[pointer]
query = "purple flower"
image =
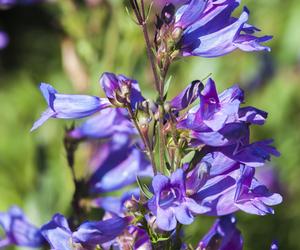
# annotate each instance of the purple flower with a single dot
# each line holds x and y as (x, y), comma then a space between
(121, 90)
(4, 39)
(223, 235)
(114, 172)
(68, 106)
(170, 202)
(104, 125)
(219, 120)
(60, 237)
(18, 230)
(211, 31)
(11, 3)
(94, 233)
(222, 160)
(238, 190)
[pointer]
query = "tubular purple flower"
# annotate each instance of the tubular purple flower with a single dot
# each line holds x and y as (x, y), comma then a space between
(93, 233)
(252, 197)
(238, 190)
(219, 121)
(58, 234)
(18, 230)
(116, 172)
(212, 32)
(223, 235)
(64, 106)
(170, 202)
(121, 90)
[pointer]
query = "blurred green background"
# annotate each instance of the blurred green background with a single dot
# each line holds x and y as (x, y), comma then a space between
(70, 43)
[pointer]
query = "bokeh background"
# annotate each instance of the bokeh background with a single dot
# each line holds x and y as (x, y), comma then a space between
(70, 43)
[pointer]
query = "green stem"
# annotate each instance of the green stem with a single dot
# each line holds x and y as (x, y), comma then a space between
(144, 139)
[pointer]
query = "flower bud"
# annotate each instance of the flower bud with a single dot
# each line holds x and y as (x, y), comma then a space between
(120, 90)
(132, 205)
(176, 34)
(167, 13)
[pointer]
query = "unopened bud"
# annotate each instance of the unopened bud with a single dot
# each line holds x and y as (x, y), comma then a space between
(177, 34)
(167, 107)
(175, 54)
(131, 205)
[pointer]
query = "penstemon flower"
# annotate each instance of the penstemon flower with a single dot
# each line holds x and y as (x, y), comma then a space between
(90, 234)
(190, 155)
(171, 203)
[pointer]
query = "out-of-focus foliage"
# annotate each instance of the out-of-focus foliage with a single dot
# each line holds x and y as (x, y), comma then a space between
(70, 43)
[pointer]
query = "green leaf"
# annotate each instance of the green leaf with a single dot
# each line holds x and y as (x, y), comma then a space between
(167, 85)
(188, 157)
(144, 188)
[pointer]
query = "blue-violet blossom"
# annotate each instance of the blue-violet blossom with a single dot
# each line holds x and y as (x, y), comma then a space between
(209, 30)
(170, 202)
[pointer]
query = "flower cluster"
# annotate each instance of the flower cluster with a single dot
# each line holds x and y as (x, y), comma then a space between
(190, 155)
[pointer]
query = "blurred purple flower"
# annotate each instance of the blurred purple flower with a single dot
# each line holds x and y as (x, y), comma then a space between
(4, 39)
(274, 245)
(209, 30)
(104, 125)
(170, 202)
(121, 90)
(223, 235)
(11, 3)
(60, 237)
(238, 190)
(68, 106)
(18, 230)
(116, 205)
(114, 172)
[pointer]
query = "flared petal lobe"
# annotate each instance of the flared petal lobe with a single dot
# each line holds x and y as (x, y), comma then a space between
(58, 233)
